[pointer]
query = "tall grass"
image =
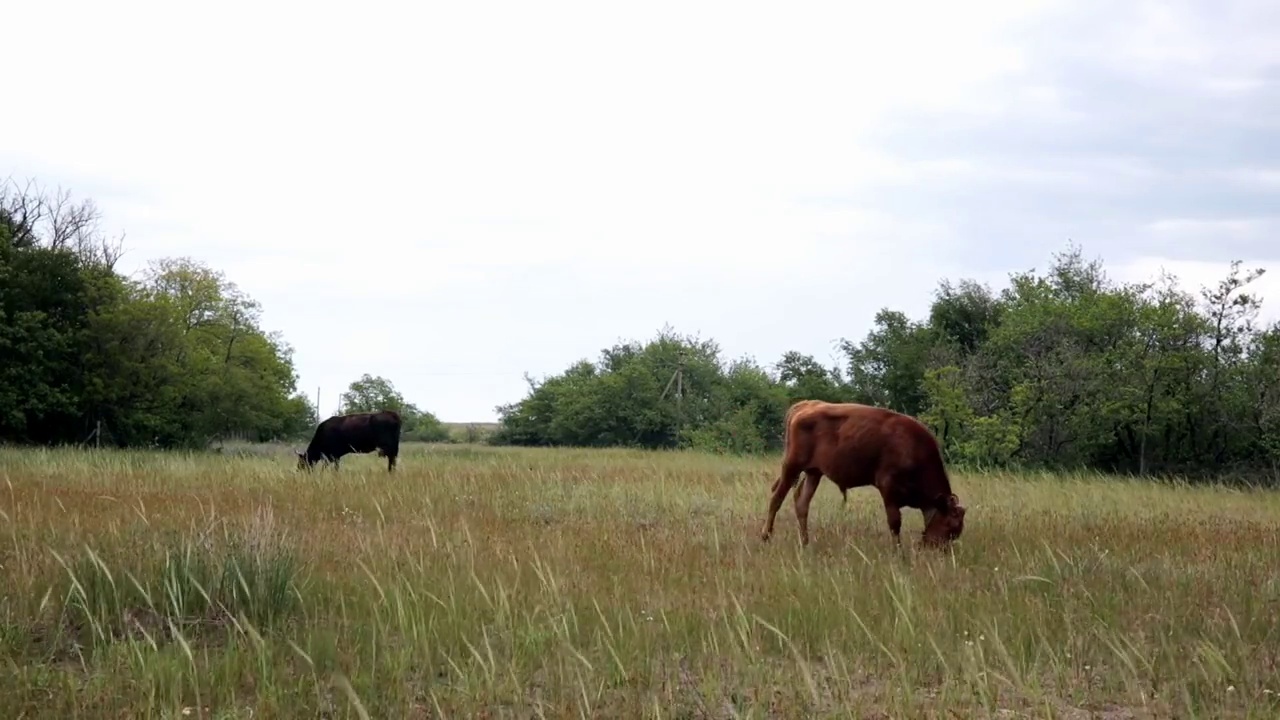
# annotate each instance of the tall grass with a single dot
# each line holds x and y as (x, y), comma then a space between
(542, 583)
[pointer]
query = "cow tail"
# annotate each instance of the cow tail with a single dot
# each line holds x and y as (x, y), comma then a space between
(786, 438)
(786, 425)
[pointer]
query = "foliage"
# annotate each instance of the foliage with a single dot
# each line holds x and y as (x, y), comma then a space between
(673, 391)
(176, 358)
(1063, 369)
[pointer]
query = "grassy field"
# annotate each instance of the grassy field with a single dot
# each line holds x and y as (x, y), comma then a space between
(484, 582)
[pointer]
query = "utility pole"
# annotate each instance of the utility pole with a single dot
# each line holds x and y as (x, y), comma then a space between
(680, 392)
(678, 379)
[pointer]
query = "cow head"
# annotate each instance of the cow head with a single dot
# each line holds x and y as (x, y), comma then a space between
(302, 460)
(945, 521)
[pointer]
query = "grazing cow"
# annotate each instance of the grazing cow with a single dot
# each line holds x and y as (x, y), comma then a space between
(355, 433)
(857, 445)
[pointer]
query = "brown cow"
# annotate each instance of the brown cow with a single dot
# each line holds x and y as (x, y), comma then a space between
(857, 445)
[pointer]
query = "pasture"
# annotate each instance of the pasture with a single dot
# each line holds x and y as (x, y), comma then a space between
(487, 582)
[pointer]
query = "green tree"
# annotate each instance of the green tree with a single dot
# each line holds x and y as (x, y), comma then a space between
(672, 391)
(887, 367)
(231, 376)
(175, 359)
(806, 379)
(963, 315)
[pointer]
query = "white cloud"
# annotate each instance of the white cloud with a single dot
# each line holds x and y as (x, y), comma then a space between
(1183, 229)
(431, 188)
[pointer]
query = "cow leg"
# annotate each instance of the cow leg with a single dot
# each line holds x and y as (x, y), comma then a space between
(392, 451)
(803, 496)
(886, 483)
(893, 514)
(844, 493)
(813, 476)
(781, 487)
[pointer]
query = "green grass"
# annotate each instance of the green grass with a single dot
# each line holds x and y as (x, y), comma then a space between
(490, 582)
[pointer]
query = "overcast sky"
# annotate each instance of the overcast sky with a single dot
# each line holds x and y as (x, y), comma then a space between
(451, 194)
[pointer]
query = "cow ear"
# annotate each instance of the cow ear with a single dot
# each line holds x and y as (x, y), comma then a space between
(953, 502)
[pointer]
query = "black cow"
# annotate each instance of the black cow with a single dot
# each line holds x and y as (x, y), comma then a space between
(355, 433)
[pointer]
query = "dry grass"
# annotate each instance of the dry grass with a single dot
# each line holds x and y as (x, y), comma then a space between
(518, 583)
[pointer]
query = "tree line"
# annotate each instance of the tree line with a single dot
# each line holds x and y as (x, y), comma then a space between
(1062, 369)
